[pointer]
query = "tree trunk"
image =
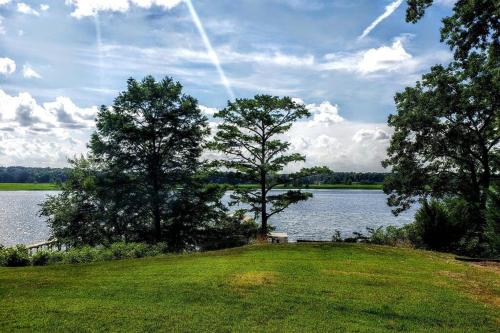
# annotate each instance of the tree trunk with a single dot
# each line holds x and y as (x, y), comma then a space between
(263, 208)
(156, 202)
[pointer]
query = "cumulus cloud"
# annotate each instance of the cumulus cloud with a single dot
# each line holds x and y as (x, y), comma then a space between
(325, 113)
(388, 59)
(84, 8)
(4, 2)
(44, 7)
(342, 145)
(367, 135)
(26, 9)
(23, 110)
(42, 134)
(30, 73)
(69, 115)
(7, 66)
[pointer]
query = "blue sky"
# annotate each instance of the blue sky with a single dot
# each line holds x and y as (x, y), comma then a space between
(344, 59)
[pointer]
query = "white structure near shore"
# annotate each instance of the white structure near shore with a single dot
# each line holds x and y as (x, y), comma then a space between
(278, 237)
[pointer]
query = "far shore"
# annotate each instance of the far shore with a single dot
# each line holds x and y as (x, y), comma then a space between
(56, 187)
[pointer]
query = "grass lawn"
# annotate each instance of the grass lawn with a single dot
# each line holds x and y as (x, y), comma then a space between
(259, 288)
(28, 187)
(325, 187)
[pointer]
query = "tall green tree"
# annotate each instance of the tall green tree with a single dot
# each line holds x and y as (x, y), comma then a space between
(473, 27)
(249, 138)
(152, 136)
(447, 127)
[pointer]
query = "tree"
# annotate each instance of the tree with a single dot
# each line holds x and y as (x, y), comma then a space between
(473, 27)
(446, 139)
(249, 138)
(152, 137)
(75, 216)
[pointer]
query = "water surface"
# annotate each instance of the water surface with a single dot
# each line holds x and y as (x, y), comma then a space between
(316, 219)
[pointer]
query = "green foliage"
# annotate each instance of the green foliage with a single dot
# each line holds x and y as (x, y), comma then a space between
(81, 255)
(493, 222)
(150, 141)
(19, 256)
(439, 225)
(249, 139)
(446, 136)
(144, 180)
(14, 256)
(406, 236)
(40, 258)
(447, 133)
(474, 25)
(76, 216)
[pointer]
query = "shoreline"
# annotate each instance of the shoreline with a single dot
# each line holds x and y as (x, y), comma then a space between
(55, 187)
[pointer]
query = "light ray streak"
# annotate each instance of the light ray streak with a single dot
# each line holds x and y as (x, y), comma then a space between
(99, 47)
(211, 52)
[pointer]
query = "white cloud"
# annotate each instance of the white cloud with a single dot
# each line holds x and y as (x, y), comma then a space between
(7, 66)
(44, 7)
(69, 115)
(366, 135)
(4, 2)
(23, 110)
(342, 145)
(30, 73)
(325, 113)
(208, 111)
(389, 9)
(84, 8)
(388, 59)
(35, 134)
(26, 9)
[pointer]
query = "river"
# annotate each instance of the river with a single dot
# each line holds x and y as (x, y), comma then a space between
(316, 219)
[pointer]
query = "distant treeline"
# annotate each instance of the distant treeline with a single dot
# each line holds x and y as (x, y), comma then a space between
(18, 174)
(327, 178)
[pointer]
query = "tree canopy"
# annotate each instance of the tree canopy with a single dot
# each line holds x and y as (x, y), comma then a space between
(154, 134)
(473, 26)
(249, 139)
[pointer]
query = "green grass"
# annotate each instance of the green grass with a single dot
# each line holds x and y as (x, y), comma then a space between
(28, 187)
(325, 186)
(260, 288)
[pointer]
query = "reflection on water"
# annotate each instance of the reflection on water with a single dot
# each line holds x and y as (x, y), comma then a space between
(19, 220)
(344, 210)
(317, 218)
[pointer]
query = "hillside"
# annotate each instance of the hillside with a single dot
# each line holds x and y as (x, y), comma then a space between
(265, 288)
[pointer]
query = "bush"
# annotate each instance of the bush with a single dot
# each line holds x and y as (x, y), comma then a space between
(40, 258)
(14, 256)
(393, 236)
(81, 255)
(441, 224)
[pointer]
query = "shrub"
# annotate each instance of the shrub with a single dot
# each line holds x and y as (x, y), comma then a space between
(81, 255)
(55, 257)
(14, 256)
(40, 258)
(441, 224)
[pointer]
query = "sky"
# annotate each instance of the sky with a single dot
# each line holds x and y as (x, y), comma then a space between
(344, 59)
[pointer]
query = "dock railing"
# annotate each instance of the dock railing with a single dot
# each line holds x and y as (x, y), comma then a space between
(47, 245)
